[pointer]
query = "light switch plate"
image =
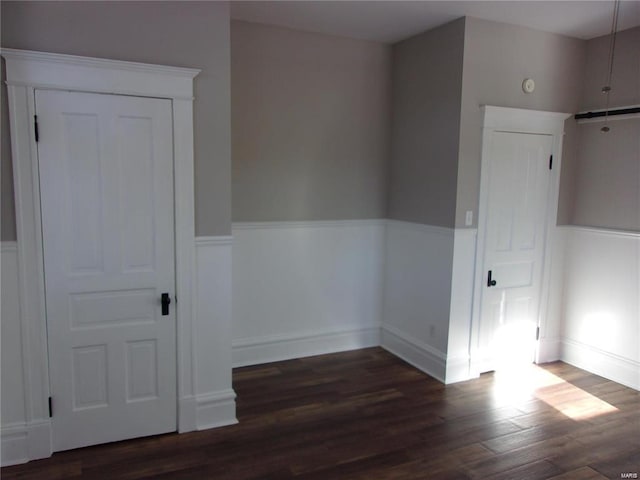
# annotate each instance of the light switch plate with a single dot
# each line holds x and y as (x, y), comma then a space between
(468, 219)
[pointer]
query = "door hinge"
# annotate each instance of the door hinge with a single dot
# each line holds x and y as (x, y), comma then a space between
(550, 162)
(35, 127)
(50, 408)
(537, 333)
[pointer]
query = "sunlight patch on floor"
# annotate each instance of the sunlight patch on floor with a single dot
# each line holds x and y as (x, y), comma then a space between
(519, 383)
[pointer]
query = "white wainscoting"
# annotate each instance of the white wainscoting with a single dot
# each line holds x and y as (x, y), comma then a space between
(461, 309)
(215, 399)
(601, 331)
(552, 313)
(417, 294)
(305, 288)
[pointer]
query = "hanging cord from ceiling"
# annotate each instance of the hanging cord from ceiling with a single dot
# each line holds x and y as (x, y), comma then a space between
(612, 47)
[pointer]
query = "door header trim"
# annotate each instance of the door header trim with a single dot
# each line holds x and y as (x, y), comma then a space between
(72, 72)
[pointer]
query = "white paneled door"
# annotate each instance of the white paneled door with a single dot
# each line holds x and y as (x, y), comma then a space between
(518, 192)
(106, 186)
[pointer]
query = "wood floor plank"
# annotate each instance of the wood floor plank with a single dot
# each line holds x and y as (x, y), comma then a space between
(365, 414)
(582, 473)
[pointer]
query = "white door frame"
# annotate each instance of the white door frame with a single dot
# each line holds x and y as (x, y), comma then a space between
(516, 120)
(27, 71)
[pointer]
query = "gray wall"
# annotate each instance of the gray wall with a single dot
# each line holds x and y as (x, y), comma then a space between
(497, 58)
(188, 34)
(607, 169)
(427, 86)
(626, 71)
(310, 125)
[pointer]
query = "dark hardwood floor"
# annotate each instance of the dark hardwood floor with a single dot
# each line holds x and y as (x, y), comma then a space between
(367, 415)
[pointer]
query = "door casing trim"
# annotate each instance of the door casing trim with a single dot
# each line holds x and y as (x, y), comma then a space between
(516, 120)
(27, 71)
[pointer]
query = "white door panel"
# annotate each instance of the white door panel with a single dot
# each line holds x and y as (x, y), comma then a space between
(518, 190)
(106, 181)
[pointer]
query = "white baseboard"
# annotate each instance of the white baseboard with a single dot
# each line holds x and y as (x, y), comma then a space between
(187, 418)
(14, 445)
(419, 354)
(458, 369)
(216, 409)
(549, 350)
(24, 442)
(599, 362)
(273, 348)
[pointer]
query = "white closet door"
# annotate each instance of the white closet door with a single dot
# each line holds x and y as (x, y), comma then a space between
(106, 184)
(514, 247)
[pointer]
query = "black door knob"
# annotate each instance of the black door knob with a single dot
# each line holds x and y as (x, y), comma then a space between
(490, 282)
(165, 300)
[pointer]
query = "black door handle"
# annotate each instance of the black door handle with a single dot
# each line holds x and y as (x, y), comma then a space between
(490, 283)
(165, 300)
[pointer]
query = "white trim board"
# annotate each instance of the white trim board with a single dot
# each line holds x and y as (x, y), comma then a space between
(613, 367)
(422, 356)
(217, 409)
(307, 224)
(274, 348)
(22, 442)
(601, 231)
(27, 71)
(60, 72)
(214, 399)
(214, 241)
(422, 228)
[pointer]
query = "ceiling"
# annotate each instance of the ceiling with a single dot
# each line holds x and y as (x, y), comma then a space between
(391, 21)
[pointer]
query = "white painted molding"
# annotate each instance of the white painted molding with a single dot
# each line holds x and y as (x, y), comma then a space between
(216, 409)
(214, 241)
(599, 362)
(457, 369)
(27, 71)
(522, 120)
(307, 224)
(214, 399)
(601, 231)
(420, 227)
(187, 413)
(25, 441)
(9, 247)
(549, 350)
(59, 71)
(422, 356)
(461, 305)
(14, 441)
(273, 348)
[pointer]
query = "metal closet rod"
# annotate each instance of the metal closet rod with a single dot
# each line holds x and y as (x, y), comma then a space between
(618, 111)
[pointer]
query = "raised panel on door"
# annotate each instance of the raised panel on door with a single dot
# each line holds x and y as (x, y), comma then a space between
(514, 232)
(106, 182)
